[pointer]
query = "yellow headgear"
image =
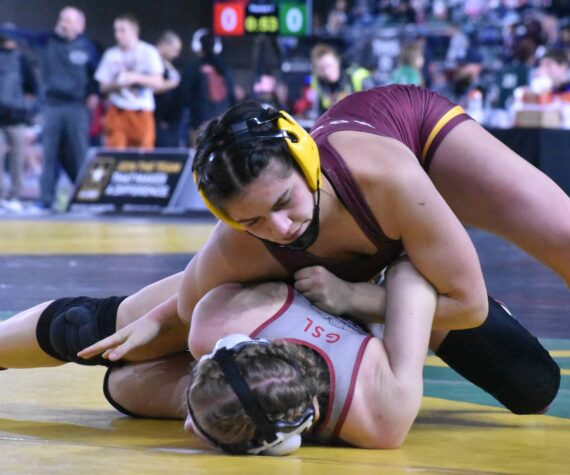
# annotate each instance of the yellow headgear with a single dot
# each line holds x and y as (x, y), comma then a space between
(301, 145)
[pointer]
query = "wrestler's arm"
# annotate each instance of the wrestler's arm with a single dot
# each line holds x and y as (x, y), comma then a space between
(391, 372)
(233, 308)
(409, 208)
(228, 256)
(362, 300)
(147, 323)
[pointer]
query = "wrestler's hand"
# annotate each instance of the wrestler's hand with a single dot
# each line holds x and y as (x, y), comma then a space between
(119, 344)
(324, 289)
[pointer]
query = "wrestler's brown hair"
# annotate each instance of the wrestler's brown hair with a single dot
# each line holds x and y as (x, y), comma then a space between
(284, 377)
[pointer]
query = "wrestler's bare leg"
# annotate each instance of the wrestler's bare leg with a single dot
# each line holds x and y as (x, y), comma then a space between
(174, 339)
(152, 388)
(490, 187)
(19, 347)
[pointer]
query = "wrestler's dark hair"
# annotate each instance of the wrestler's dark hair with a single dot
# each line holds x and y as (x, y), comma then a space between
(283, 377)
(225, 167)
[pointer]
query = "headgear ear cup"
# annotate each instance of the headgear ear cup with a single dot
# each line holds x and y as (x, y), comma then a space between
(217, 212)
(288, 445)
(304, 150)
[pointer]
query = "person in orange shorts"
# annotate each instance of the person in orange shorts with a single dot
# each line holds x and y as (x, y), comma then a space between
(129, 73)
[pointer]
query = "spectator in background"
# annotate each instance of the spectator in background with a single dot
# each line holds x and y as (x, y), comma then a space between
(552, 72)
(330, 82)
(401, 12)
(564, 35)
(129, 73)
(464, 78)
(516, 73)
(207, 83)
(266, 90)
(411, 62)
(18, 87)
(337, 18)
(459, 44)
(168, 112)
(68, 61)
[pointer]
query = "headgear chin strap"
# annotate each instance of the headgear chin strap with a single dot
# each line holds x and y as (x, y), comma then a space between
(301, 145)
(310, 235)
(271, 437)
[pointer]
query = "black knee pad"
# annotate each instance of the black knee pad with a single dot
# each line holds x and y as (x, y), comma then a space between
(504, 359)
(69, 325)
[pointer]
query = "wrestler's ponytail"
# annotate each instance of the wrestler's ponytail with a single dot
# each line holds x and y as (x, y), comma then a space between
(284, 378)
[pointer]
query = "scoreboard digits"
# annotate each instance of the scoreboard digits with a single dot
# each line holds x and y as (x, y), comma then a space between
(236, 18)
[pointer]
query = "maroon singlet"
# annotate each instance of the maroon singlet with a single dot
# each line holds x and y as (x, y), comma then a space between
(408, 114)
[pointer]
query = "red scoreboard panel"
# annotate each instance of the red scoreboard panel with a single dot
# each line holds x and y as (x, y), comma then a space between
(229, 18)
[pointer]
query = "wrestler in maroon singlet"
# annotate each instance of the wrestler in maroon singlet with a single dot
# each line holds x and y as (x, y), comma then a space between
(408, 114)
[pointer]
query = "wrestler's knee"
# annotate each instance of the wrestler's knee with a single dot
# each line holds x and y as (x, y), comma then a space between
(505, 360)
(69, 325)
(117, 390)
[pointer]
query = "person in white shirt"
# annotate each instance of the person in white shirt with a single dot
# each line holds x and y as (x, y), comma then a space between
(129, 73)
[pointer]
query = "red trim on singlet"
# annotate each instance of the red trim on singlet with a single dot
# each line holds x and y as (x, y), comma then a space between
(332, 379)
(348, 402)
(281, 311)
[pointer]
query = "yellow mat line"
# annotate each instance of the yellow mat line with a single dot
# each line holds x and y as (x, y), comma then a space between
(560, 353)
(434, 361)
(64, 237)
(52, 429)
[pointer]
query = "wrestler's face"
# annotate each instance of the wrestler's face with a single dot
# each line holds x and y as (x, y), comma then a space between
(190, 428)
(277, 206)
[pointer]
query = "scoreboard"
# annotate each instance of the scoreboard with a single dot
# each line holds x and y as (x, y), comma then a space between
(286, 18)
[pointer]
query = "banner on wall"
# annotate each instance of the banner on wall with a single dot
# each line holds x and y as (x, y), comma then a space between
(133, 180)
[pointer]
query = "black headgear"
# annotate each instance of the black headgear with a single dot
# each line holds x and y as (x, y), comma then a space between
(271, 437)
(303, 149)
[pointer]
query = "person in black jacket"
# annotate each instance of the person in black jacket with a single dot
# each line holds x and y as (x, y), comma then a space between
(168, 111)
(207, 84)
(68, 60)
(18, 88)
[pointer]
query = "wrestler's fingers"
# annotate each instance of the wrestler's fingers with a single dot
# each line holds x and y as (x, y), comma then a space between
(115, 354)
(302, 285)
(101, 346)
(309, 272)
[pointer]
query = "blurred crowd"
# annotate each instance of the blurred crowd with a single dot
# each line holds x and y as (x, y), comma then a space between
(488, 56)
